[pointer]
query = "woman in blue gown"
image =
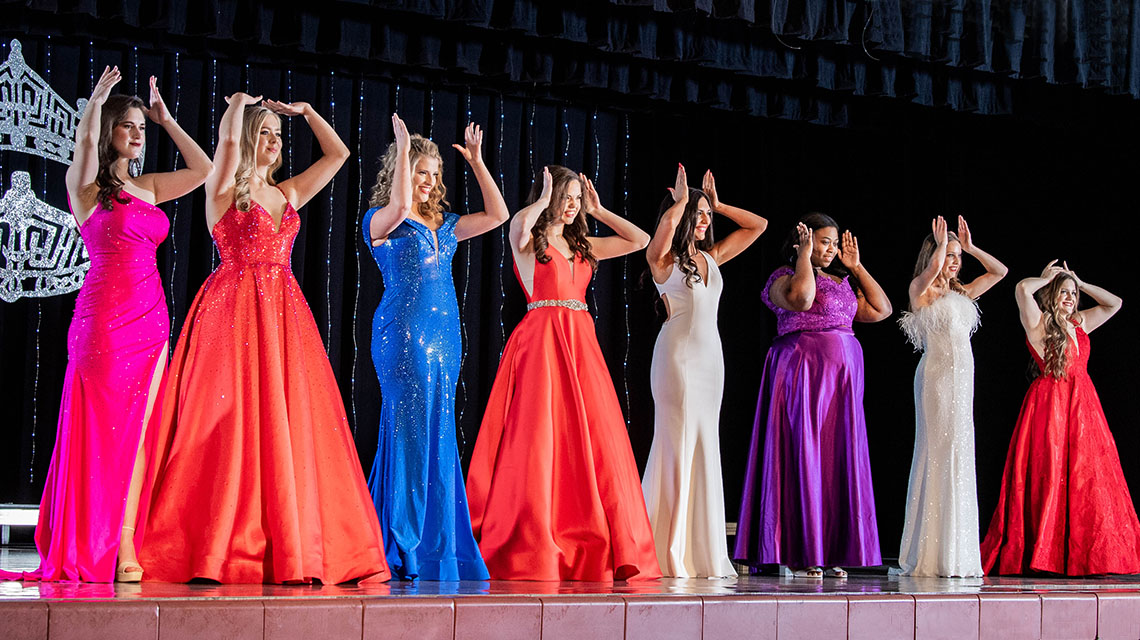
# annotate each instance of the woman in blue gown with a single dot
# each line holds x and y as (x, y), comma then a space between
(416, 479)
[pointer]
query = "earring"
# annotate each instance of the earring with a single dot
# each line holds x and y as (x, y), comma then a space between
(134, 166)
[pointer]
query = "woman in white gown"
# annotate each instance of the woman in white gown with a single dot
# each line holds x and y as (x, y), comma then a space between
(682, 484)
(940, 533)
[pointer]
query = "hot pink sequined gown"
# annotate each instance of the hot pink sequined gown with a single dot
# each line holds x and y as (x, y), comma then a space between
(118, 334)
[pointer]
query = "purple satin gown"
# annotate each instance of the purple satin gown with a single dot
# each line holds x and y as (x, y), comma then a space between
(118, 335)
(808, 499)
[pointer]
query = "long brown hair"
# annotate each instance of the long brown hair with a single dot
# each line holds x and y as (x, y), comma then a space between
(926, 253)
(253, 119)
(420, 146)
(576, 233)
(682, 246)
(114, 111)
(1056, 340)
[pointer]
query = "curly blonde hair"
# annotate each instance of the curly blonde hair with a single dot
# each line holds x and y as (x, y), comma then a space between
(254, 118)
(420, 147)
(1056, 342)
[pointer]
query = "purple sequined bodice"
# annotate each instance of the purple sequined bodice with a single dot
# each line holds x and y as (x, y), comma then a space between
(835, 305)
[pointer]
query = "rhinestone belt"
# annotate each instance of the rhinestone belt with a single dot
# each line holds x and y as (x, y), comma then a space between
(574, 305)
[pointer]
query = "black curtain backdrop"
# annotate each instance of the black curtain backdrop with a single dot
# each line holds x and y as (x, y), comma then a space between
(1021, 115)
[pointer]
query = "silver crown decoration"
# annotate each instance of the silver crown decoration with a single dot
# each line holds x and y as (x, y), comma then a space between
(41, 253)
(34, 119)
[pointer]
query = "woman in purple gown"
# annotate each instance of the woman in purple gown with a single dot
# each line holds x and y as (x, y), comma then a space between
(814, 506)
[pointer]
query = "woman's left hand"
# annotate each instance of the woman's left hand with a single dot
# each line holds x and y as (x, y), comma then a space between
(287, 108)
(157, 112)
(472, 148)
(849, 251)
(708, 185)
(965, 238)
(590, 200)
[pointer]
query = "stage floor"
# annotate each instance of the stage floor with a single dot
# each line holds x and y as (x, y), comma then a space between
(869, 604)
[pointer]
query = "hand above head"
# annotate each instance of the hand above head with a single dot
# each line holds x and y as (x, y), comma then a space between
(400, 131)
(680, 188)
(804, 240)
(590, 200)
(849, 251)
(287, 108)
(547, 188)
(964, 236)
(243, 99)
(472, 148)
(1051, 270)
(1072, 274)
(708, 185)
(157, 111)
(940, 230)
(102, 90)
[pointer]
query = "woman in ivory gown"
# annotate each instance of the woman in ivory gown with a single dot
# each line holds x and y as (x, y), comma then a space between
(682, 483)
(940, 533)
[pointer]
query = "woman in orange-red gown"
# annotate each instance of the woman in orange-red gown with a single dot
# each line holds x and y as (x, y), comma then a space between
(257, 477)
(1064, 505)
(553, 486)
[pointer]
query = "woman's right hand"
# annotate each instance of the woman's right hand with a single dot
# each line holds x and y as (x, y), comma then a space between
(102, 90)
(547, 188)
(1051, 271)
(941, 231)
(400, 130)
(803, 244)
(680, 188)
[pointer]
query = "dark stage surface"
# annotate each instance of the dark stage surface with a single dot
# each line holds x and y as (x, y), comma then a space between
(868, 604)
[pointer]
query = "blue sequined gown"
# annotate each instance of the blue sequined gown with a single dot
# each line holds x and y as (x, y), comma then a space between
(416, 479)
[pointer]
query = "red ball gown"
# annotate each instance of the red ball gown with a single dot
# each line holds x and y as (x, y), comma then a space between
(256, 477)
(553, 486)
(1064, 505)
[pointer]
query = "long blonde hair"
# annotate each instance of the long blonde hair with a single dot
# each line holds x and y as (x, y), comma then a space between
(420, 147)
(254, 118)
(1056, 341)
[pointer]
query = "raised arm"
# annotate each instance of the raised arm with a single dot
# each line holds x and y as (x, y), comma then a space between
(659, 252)
(495, 210)
(923, 281)
(302, 187)
(629, 236)
(796, 292)
(169, 185)
(526, 217)
(995, 270)
(227, 155)
(1107, 304)
(751, 225)
(400, 195)
(874, 305)
(85, 161)
(1030, 313)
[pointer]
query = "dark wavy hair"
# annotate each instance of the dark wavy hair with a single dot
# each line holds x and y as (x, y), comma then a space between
(1056, 342)
(683, 235)
(576, 233)
(114, 112)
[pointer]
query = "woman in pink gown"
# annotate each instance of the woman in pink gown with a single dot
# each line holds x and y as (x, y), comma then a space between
(116, 345)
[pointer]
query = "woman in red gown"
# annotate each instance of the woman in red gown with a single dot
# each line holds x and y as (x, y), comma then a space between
(1064, 505)
(256, 476)
(553, 487)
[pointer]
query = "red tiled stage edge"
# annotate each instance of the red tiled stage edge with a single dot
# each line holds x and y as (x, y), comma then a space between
(1004, 616)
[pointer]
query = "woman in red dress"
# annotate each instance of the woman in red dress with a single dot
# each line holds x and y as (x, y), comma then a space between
(256, 476)
(1064, 505)
(553, 487)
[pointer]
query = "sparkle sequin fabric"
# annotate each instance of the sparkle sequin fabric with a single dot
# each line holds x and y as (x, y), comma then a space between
(940, 533)
(416, 480)
(1064, 505)
(257, 479)
(117, 338)
(807, 498)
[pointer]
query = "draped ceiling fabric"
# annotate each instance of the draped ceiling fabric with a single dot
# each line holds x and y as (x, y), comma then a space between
(967, 55)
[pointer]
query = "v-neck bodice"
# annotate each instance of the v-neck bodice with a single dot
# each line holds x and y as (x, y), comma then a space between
(557, 280)
(253, 236)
